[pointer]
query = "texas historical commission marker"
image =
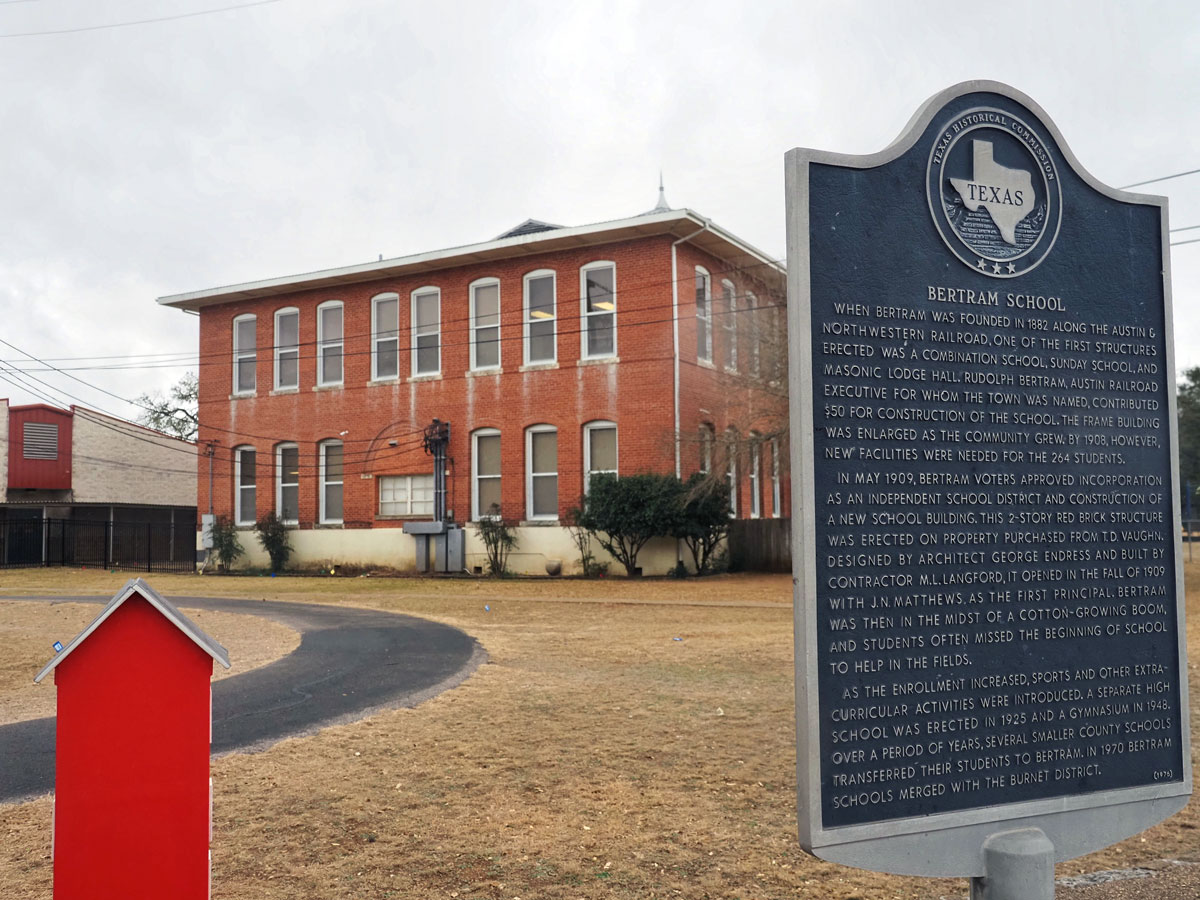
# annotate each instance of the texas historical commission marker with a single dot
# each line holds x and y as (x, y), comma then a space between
(989, 592)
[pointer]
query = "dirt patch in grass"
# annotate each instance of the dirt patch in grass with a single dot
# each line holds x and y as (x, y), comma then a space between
(29, 629)
(627, 739)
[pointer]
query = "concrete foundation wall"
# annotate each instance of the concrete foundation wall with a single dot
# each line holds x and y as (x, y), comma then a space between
(393, 549)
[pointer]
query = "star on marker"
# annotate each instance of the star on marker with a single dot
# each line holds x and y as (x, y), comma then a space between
(981, 265)
(996, 268)
(1012, 269)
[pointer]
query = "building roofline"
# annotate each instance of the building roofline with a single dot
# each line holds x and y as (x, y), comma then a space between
(164, 606)
(677, 223)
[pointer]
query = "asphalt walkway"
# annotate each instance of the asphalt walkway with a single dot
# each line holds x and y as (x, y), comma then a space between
(350, 664)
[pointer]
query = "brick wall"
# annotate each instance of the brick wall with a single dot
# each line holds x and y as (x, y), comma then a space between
(115, 461)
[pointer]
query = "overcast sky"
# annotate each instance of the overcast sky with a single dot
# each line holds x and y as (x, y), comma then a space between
(294, 135)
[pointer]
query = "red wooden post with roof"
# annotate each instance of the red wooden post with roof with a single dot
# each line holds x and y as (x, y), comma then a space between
(133, 796)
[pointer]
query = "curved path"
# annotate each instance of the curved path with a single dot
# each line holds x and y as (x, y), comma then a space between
(350, 663)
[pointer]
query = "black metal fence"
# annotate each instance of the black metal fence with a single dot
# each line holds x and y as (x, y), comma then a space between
(141, 546)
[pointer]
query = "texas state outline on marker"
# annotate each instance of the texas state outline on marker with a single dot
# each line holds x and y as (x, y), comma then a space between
(1007, 194)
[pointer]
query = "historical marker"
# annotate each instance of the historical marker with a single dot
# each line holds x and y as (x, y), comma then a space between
(989, 591)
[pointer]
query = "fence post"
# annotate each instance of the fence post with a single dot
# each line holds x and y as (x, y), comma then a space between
(149, 555)
(107, 542)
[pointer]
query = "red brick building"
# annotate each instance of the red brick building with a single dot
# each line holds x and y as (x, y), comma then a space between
(646, 344)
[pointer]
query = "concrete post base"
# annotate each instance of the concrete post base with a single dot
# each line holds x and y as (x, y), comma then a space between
(1017, 865)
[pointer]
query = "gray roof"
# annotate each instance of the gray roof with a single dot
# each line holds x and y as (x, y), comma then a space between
(529, 226)
(164, 606)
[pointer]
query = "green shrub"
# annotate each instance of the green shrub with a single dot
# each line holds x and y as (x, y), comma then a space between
(225, 543)
(273, 535)
(498, 540)
(704, 522)
(625, 513)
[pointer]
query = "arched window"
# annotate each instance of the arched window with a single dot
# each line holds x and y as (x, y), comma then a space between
(245, 467)
(245, 354)
(540, 307)
(599, 450)
(287, 349)
(329, 343)
(485, 473)
(485, 324)
(287, 483)
(703, 315)
(426, 331)
(385, 337)
(598, 331)
(331, 482)
(541, 472)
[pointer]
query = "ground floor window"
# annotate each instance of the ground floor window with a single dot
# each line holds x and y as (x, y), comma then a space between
(406, 495)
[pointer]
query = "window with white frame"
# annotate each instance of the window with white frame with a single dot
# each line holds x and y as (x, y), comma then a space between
(287, 349)
(703, 316)
(287, 483)
(245, 354)
(729, 325)
(329, 343)
(245, 468)
(406, 495)
(756, 335)
(755, 476)
(540, 321)
(426, 331)
(331, 482)
(485, 473)
(599, 450)
(707, 439)
(485, 325)
(598, 286)
(776, 497)
(731, 471)
(541, 472)
(385, 337)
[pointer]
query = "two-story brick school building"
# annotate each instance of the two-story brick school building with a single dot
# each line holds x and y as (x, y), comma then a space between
(646, 344)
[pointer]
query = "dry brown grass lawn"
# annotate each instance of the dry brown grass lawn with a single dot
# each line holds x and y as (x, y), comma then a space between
(625, 740)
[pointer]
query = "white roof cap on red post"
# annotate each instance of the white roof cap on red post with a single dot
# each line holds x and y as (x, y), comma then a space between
(164, 606)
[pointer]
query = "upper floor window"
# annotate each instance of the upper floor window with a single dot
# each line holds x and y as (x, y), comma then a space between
(426, 331)
(287, 349)
(756, 335)
(540, 312)
(331, 482)
(385, 336)
(599, 450)
(244, 480)
(703, 316)
(485, 473)
(541, 472)
(485, 324)
(287, 483)
(329, 343)
(729, 325)
(245, 354)
(599, 291)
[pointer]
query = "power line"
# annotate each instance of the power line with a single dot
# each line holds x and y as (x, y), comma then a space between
(1155, 180)
(191, 15)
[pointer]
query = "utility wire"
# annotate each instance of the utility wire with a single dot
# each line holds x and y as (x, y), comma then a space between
(1155, 180)
(191, 15)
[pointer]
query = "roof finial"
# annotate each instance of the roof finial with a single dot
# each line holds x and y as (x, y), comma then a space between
(662, 206)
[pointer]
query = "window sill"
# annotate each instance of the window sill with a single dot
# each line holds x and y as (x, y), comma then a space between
(480, 373)
(538, 367)
(329, 525)
(329, 387)
(706, 364)
(383, 382)
(537, 523)
(402, 518)
(599, 360)
(432, 376)
(244, 395)
(281, 392)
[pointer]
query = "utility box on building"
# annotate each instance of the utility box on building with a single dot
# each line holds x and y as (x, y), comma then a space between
(133, 796)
